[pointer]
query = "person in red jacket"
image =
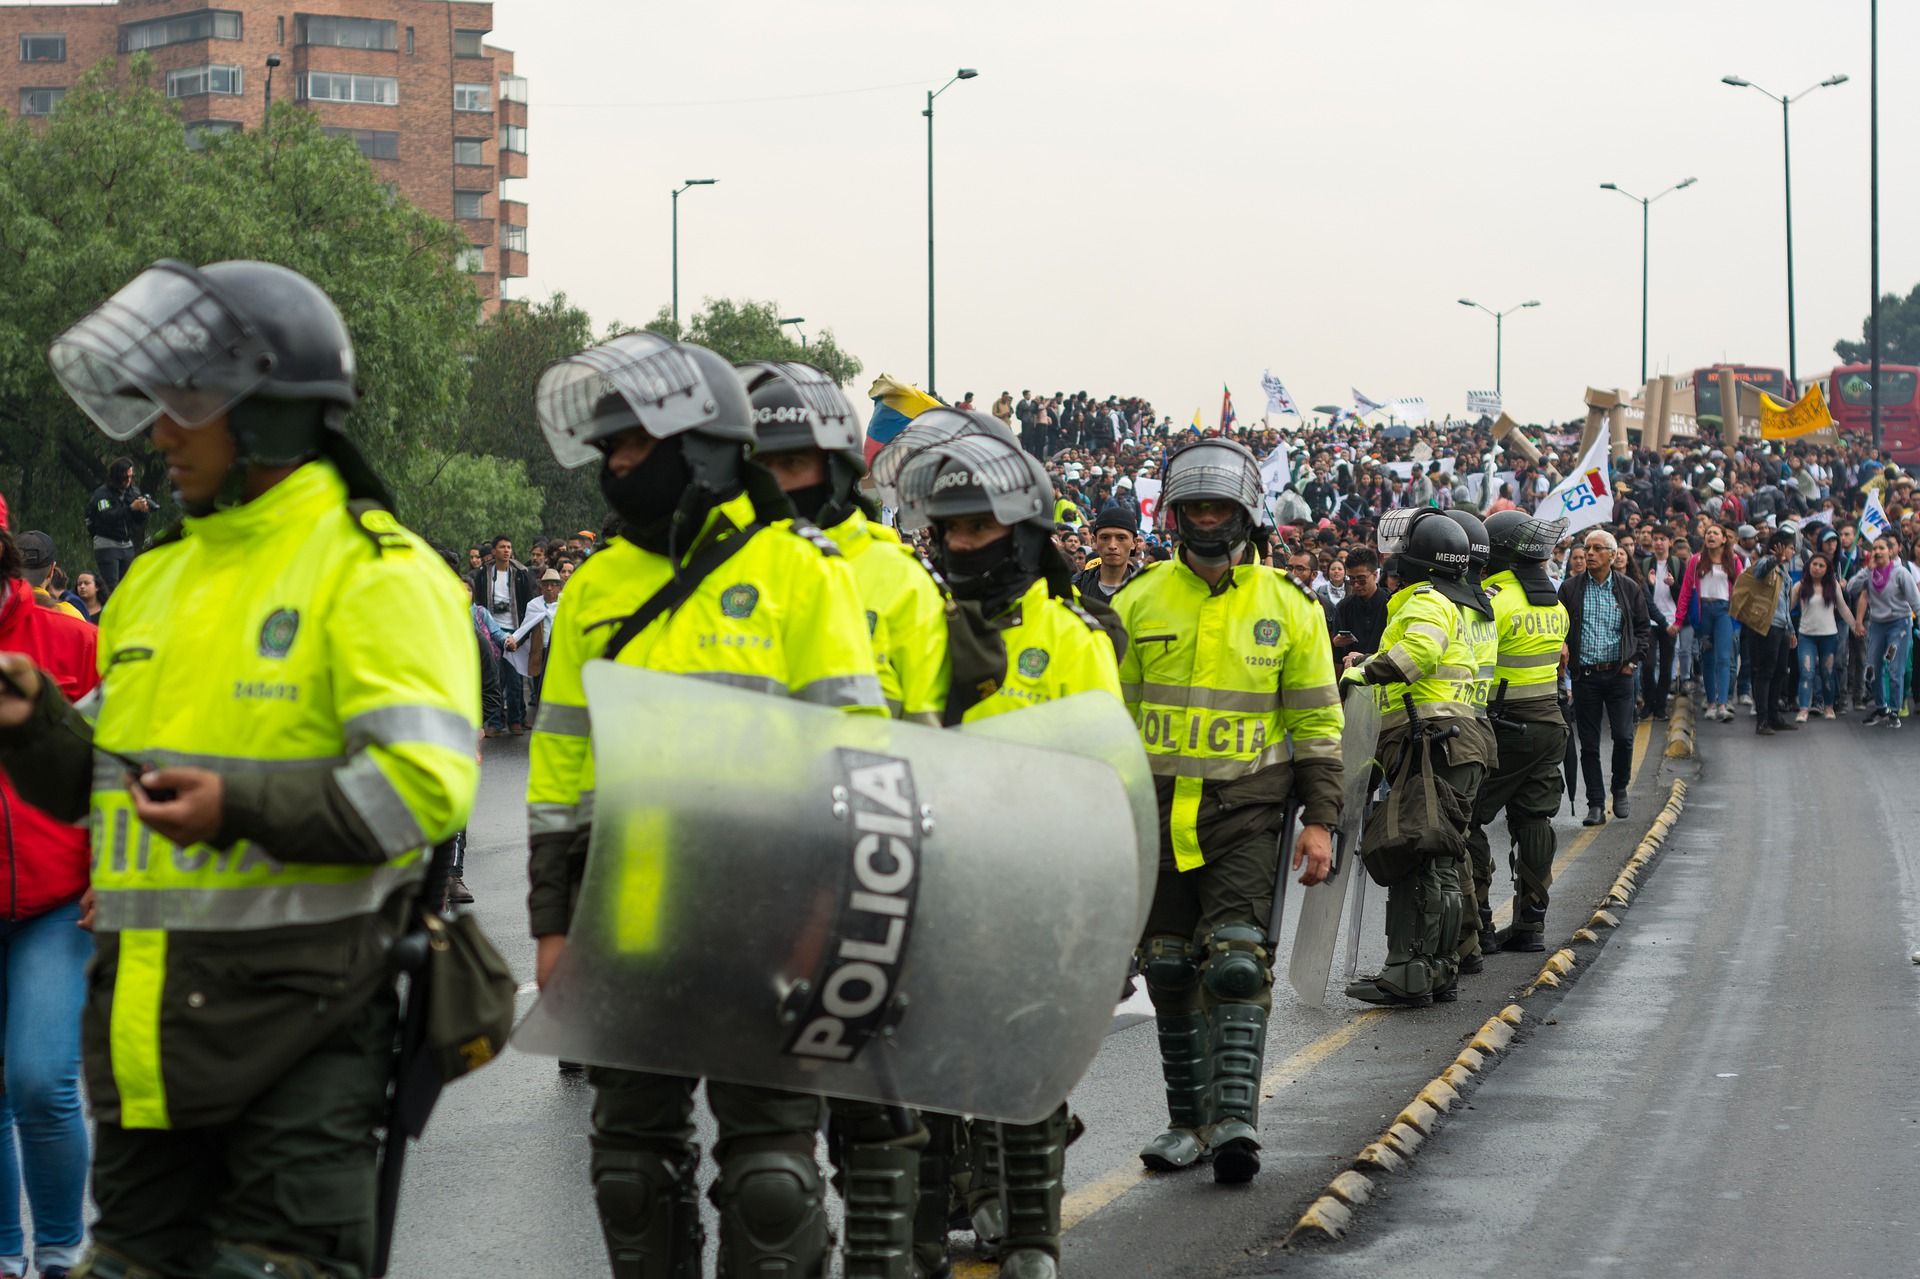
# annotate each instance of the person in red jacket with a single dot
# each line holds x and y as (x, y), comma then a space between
(43, 960)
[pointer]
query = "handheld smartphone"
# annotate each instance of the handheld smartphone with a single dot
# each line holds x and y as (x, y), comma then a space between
(1345, 637)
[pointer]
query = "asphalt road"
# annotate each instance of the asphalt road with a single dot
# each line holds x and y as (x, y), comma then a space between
(500, 1184)
(1731, 1091)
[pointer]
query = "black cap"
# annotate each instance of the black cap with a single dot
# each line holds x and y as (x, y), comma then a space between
(1116, 516)
(36, 549)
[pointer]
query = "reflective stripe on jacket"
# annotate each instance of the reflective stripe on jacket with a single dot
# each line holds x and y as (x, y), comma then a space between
(1225, 683)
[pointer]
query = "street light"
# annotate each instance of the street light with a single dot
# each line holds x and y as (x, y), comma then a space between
(1498, 318)
(273, 60)
(1786, 137)
(964, 73)
(1644, 206)
(796, 321)
(690, 182)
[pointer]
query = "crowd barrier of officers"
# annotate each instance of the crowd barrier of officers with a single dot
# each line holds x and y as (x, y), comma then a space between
(791, 808)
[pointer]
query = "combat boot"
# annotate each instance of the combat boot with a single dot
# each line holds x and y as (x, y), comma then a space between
(1033, 1161)
(1528, 932)
(1234, 976)
(104, 1263)
(1489, 935)
(1173, 980)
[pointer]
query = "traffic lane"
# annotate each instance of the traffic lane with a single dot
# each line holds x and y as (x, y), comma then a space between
(502, 1175)
(1729, 1093)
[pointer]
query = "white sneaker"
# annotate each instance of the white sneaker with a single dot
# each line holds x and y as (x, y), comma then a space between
(1801, 716)
(1746, 699)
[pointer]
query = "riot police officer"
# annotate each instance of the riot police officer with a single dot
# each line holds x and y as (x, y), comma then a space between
(708, 579)
(1229, 674)
(1015, 638)
(263, 772)
(1425, 659)
(807, 437)
(1476, 618)
(1531, 732)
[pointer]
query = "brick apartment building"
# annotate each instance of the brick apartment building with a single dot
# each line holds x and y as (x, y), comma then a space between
(437, 111)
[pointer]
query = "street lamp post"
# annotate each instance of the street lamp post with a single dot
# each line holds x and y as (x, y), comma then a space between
(1499, 319)
(796, 321)
(964, 73)
(1786, 138)
(1873, 199)
(1645, 204)
(273, 60)
(690, 182)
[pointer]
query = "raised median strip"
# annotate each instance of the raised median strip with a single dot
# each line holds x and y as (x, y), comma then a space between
(1331, 1214)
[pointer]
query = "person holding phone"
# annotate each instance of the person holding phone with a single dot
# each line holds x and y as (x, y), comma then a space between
(117, 514)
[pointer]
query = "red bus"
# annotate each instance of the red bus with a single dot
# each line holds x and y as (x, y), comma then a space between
(1706, 386)
(1849, 392)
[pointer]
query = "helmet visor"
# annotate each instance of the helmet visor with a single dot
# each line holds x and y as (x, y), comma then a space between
(973, 475)
(1536, 539)
(934, 426)
(1395, 528)
(658, 381)
(165, 343)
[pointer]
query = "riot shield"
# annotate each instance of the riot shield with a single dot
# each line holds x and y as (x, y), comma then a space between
(785, 895)
(1319, 912)
(1090, 724)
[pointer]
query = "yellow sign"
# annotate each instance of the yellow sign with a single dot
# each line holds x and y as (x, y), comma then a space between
(1785, 421)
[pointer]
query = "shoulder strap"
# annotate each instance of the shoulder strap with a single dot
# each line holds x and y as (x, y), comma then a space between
(696, 570)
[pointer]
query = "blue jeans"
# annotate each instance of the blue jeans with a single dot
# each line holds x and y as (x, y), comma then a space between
(1887, 674)
(1716, 630)
(1817, 671)
(43, 964)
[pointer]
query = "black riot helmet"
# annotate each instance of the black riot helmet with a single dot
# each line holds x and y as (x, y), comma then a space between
(1514, 537)
(1214, 471)
(934, 426)
(1422, 543)
(1478, 548)
(668, 389)
(796, 407)
(255, 341)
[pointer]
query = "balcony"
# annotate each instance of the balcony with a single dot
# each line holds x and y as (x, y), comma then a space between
(513, 88)
(511, 112)
(513, 266)
(473, 177)
(513, 164)
(480, 232)
(513, 213)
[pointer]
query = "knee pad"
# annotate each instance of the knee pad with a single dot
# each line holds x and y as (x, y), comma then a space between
(105, 1263)
(649, 1212)
(772, 1220)
(1235, 968)
(1169, 965)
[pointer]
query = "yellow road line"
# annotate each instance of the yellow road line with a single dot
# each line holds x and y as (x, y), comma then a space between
(1584, 840)
(1095, 1195)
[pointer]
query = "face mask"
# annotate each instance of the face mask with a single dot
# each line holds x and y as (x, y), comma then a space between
(646, 496)
(809, 501)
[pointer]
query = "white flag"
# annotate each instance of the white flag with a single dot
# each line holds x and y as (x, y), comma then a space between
(1585, 497)
(1276, 472)
(1364, 404)
(1874, 523)
(1278, 401)
(1483, 404)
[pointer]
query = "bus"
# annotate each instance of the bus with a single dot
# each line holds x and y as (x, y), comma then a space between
(1706, 386)
(1849, 393)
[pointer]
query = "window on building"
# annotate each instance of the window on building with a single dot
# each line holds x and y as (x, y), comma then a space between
(332, 86)
(409, 42)
(43, 48)
(280, 30)
(375, 144)
(472, 259)
(513, 137)
(466, 44)
(347, 33)
(471, 97)
(205, 24)
(40, 101)
(469, 151)
(513, 88)
(467, 204)
(514, 238)
(198, 131)
(191, 82)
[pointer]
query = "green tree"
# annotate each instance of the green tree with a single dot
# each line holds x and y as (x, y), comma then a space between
(748, 330)
(1899, 333)
(459, 500)
(109, 185)
(510, 352)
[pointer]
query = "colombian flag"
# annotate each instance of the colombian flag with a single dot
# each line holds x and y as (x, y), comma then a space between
(1226, 410)
(1195, 426)
(894, 405)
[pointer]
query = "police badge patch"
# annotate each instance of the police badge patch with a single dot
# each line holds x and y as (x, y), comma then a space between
(738, 601)
(1033, 662)
(277, 632)
(1266, 632)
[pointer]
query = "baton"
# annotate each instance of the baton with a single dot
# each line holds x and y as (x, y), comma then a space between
(1288, 825)
(416, 1080)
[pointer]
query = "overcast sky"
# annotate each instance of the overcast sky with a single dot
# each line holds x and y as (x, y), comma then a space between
(1142, 199)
